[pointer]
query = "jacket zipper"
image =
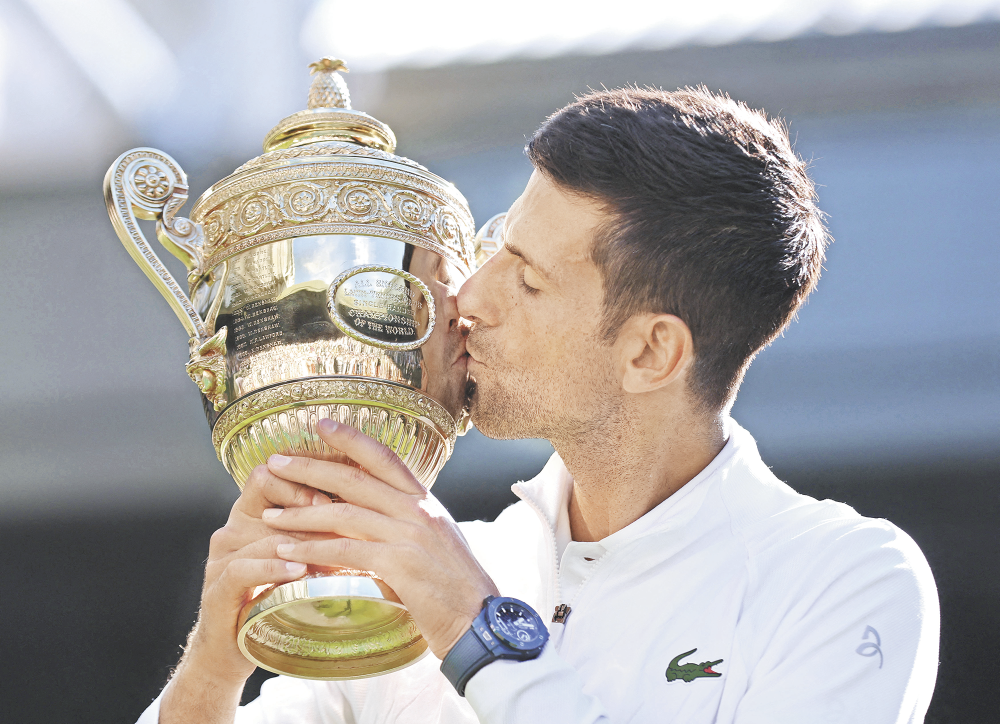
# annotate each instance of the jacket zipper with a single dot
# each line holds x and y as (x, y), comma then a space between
(552, 547)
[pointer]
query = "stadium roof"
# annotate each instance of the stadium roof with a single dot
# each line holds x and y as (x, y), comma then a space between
(450, 31)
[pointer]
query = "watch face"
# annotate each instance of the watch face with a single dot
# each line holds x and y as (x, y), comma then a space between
(517, 625)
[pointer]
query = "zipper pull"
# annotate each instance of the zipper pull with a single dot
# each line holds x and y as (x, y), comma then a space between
(561, 613)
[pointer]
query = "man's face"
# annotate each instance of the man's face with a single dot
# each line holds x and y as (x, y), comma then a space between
(535, 352)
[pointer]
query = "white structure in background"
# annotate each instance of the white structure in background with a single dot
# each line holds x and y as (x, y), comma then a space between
(128, 62)
(82, 80)
(450, 31)
(209, 77)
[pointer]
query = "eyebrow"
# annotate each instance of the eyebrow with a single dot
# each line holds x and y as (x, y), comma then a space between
(524, 257)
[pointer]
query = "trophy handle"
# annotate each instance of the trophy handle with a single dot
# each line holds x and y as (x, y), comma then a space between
(148, 184)
(489, 238)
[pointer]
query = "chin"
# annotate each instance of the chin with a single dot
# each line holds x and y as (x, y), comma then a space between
(497, 421)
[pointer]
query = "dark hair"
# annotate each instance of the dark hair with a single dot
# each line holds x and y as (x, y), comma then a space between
(713, 218)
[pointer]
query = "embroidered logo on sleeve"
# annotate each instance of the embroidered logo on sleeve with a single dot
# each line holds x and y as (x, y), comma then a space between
(870, 648)
(690, 672)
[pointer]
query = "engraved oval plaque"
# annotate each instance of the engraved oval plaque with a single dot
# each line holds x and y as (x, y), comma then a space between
(382, 306)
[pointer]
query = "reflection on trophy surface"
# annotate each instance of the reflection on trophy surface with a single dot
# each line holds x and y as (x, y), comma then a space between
(322, 283)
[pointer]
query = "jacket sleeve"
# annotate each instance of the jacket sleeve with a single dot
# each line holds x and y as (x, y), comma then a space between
(860, 641)
(545, 690)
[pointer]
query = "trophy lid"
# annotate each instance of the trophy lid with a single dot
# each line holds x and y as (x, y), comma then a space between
(329, 116)
(331, 169)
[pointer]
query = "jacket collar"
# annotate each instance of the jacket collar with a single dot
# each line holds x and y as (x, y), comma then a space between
(549, 491)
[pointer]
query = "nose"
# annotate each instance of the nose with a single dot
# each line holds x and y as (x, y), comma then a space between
(474, 298)
(449, 310)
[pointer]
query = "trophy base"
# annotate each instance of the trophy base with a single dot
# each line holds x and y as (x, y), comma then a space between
(346, 624)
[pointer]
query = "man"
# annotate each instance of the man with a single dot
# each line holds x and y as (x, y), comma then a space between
(662, 241)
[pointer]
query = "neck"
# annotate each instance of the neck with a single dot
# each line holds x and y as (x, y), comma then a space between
(632, 465)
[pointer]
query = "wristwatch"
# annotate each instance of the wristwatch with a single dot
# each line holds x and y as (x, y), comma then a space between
(505, 629)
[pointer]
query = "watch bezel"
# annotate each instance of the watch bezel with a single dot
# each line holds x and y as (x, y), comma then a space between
(524, 646)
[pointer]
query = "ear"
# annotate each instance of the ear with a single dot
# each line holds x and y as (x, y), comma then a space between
(654, 351)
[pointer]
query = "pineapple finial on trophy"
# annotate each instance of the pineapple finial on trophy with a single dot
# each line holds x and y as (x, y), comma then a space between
(328, 89)
(329, 116)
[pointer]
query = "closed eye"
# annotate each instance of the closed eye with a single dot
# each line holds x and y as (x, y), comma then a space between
(527, 289)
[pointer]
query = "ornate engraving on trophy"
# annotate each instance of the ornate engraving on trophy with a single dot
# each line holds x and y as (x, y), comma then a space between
(382, 306)
(264, 634)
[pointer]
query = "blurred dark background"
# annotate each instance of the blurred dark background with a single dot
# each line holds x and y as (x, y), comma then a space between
(885, 393)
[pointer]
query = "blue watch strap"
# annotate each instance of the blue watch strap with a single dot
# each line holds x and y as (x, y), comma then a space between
(466, 657)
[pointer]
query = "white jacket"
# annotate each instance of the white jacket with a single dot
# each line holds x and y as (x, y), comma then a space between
(816, 613)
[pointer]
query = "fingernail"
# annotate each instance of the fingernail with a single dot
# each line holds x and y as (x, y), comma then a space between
(320, 499)
(327, 425)
(285, 548)
(278, 461)
(271, 513)
(296, 569)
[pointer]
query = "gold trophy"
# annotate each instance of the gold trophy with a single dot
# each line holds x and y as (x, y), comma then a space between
(314, 292)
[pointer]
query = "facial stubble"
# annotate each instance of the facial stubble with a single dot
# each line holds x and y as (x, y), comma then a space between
(573, 400)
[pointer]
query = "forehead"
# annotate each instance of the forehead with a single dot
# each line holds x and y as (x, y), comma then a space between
(424, 261)
(554, 228)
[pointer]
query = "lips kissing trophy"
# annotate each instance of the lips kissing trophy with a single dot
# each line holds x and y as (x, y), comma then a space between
(314, 292)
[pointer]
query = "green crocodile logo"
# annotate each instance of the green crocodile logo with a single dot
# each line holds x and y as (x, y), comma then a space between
(690, 672)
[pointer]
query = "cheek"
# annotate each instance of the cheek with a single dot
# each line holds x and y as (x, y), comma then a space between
(555, 340)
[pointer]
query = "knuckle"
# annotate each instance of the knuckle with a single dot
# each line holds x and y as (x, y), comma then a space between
(270, 490)
(258, 478)
(275, 568)
(348, 512)
(272, 542)
(348, 546)
(385, 455)
(219, 541)
(305, 548)
(230, 575)
(301, 497)
(356, 476)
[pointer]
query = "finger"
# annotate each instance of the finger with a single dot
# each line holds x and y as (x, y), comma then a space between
(264, 548)
(369, 453)
(261, 546)
(342, 552)
(241, 531)
(344, 519)
(265, 490)
(243, 575)
(256, 564)
(349, 483)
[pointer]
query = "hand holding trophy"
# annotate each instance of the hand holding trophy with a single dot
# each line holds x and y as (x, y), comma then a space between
(321, 282)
